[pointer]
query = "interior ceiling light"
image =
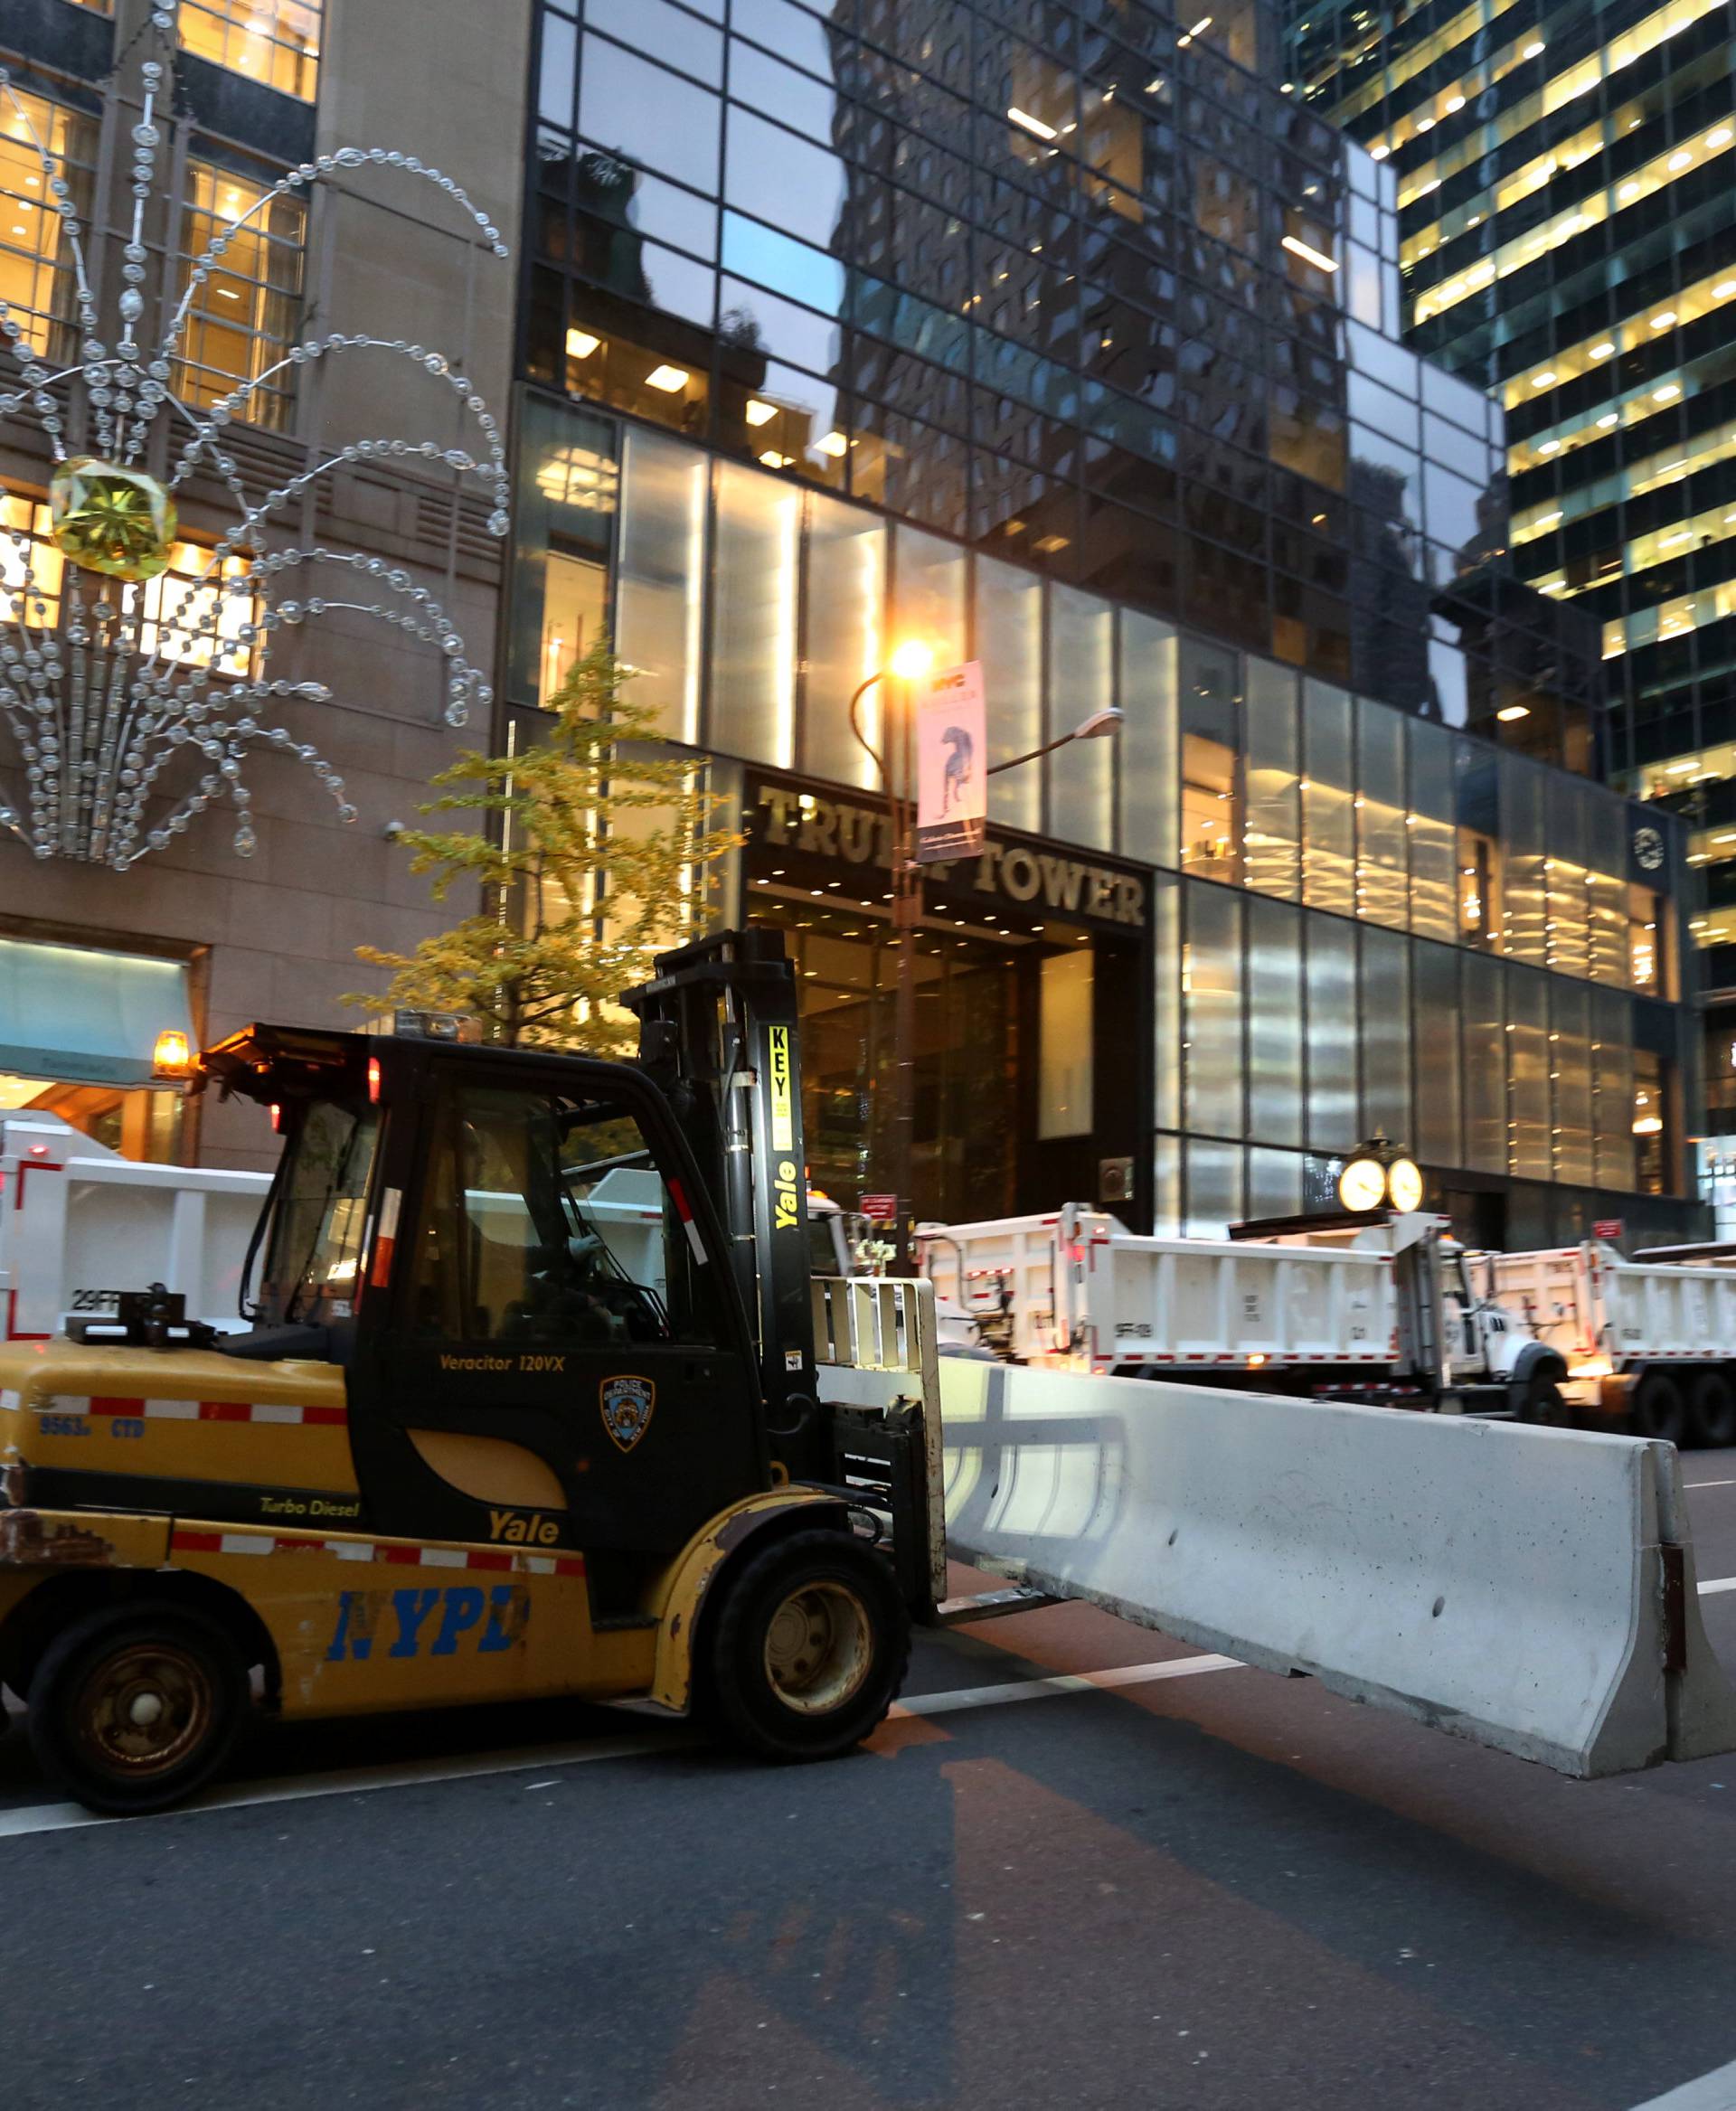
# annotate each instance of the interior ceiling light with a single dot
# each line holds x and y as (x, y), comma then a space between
(1031, 124)
(833, 444)
(1425, 123)
(671, 378)
(1532, 49)
(1298, 248)
(581, 344)
(1663, 395)
(1681, 158)
(1723, 289)
(774, 460)
(758, 413)
(1379, 152)
(1602, 351)
(1721, 138)
(1609, 419)
(1663, 321)
(1455, 103)
(1543, 380)
(1510, 712)
(1153, 86)
(1549, 446)
(1046, 545)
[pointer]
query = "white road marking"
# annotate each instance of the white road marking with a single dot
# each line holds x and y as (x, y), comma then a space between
(62, 1817)
(1132, 1675)
(1711, 2092)
(1717, 1584)
(1709, 1483)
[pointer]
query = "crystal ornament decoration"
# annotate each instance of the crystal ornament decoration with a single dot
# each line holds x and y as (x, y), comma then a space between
(116, 669)
(111, 519)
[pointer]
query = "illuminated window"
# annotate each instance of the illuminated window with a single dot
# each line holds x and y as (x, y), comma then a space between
(25, 550)
(244, 317)
(35, 264)
(273, 41)
(193, 617)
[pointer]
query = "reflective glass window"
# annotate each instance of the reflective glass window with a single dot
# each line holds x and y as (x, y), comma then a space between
(1435, 1037)
(660, 590)
(1529, 1152)
(564, 514)
(845, 631)
(1274, 1183)
(1382, 878)
(1483, 1045)
(1148, 739)
(1386, 1034)
(1434, 849)
(1526, 907)
(645, 114)
(1612, 1089)
(1328, 813)
(1272, 837)
(1170, 1022)
(1081, 682)
(1065, 1044)
(665, 32)
(1274, 1021)
(1167, 1187)
(1212, 988)
(1332, 1114)
(754, 616)
(1009, 643)
(1214, 1194)
(1570, 1065)
(783, 179)
(1210, 717)
(929, 594)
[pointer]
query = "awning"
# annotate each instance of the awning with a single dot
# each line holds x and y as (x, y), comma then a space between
(70, 1012)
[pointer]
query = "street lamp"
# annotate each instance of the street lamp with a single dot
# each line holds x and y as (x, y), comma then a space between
(910, 661)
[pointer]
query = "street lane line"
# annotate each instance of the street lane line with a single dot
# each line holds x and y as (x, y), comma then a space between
(1717, 1584)
(1132, 1675)
(62, 1817)
(1711, 2092)
(1709, 1483)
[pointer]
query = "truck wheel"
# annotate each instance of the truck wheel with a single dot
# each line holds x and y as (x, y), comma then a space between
(135, 1707)
(809, 1649)
(1658, 1411)
(1545, 1406)
(1712, 1410)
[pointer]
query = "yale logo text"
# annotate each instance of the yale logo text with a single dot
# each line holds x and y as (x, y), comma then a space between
(518, 1530)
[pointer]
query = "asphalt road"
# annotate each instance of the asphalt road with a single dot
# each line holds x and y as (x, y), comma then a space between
(1209, 1890)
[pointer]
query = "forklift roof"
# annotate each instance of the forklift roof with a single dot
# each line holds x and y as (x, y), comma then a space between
(266, 1062)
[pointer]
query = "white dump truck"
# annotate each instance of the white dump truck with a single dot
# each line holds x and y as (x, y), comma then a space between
(1374, 1309)
(1652, 1339)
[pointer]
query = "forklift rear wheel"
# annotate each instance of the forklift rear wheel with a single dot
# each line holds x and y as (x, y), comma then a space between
(1658, 1408)
(134, 1708)
(1712, 1410)
(809, 1648)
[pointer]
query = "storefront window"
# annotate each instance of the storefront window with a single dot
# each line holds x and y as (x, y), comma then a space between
(1484, 1044)
(754, 616)
(1271, 838)
(1275, 1015)
(1569, 1066)
(1529, 1152)
(1214, 1188)
(1645, 942)
(1651, 1126)
(1386, 1030)
(1212, 995)
(1066, 1044)
(1333, 1112)
(564, 514)
(1612, 1090)
(1435, 1035)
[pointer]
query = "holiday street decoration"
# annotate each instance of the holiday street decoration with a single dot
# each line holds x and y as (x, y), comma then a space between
(113, 665)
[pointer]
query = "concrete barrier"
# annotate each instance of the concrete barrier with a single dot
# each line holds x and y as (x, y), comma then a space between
(1530, 1589)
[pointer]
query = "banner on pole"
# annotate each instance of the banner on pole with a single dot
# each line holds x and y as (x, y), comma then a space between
(952, 765)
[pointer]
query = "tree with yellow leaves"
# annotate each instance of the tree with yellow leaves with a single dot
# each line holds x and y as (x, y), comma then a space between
(593, 855)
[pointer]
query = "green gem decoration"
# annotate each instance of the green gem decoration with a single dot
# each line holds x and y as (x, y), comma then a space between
(109, 519)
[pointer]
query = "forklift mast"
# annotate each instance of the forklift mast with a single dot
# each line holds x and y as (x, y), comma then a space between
(718, 1033)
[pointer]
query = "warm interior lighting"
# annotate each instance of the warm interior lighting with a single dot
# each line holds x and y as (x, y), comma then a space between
(758, 413)
(1046, 545)
(1543, 380)
(1663, 321)
(672, 378)
(1031, 124)
(912, 660)
(1297, 248)
(1510, 712)
(1665, 393)
(1602, 351)
(774, 460)
(833, 444)
(172, 1057)
(581, 344)
(1533, 50)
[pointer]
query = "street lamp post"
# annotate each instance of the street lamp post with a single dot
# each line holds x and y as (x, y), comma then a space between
(909, 664)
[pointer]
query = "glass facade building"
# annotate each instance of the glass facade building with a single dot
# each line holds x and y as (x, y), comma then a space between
(1568, 241)
(1068, 341)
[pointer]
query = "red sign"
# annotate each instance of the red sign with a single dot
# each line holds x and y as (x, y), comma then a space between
(882, 1209)
(1607, 1227)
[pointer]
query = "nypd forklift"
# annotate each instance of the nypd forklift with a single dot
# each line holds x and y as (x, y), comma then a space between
(528, 1407)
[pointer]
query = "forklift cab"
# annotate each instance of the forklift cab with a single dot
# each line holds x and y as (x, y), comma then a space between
(515, 1259)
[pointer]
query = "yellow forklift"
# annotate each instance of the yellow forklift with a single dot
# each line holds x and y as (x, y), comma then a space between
(527, 1405)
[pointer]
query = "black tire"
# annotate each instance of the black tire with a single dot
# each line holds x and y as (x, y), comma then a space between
(1711, 1409)
(808, 1649)
(1658, 1409)
(1545, 1406)
(88, 1722)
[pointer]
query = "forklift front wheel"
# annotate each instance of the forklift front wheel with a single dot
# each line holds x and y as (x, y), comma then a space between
(809, 1648)
(133, 1707)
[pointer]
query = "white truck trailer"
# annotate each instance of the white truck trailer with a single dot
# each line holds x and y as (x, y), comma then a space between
(1650, 1340)
(1376, 1309)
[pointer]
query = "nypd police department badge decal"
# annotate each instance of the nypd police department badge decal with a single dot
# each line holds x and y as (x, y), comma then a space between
(627, 1404)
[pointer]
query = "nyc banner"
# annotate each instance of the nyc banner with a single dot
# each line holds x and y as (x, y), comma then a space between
(952, 765)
